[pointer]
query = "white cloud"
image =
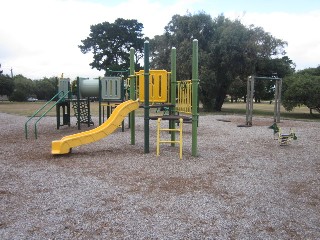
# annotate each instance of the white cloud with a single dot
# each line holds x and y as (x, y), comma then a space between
(40, 38)
(299, 30)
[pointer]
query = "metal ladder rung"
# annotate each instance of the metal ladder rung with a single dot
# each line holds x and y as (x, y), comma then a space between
(168, 129)
(169, 141)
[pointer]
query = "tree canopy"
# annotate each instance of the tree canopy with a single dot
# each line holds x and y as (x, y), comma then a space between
(6, 85)
(228, 52)
(45, 88)
(110, 44)
(19, 88)
(302, 88)
(23, 88)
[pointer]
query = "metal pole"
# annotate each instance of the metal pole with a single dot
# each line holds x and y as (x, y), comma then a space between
(251, 98)
(146, 97)
(173, 89)
(249, 104)
(69, 103)
(280, 90)
(88, 118)
(275, 111)
(279, 100)
(248, 100)
(78, 102)
(132, 96)
(58, 109)
(195, 84)
(100, 100)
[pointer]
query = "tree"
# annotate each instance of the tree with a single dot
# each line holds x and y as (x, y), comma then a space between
(302, 88)
(237, 89)
(110, 44)
(228, 52)
(6, 85)
(24, 87)
(46, 88)
(279, 67)
(160, 52)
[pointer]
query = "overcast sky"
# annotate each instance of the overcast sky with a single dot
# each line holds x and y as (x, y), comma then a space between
(40, 38)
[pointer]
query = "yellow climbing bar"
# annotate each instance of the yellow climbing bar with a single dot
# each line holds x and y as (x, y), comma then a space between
(159, 129)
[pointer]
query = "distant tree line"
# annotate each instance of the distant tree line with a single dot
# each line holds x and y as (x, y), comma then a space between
(229, 52)
(302, 88)
(20, 88)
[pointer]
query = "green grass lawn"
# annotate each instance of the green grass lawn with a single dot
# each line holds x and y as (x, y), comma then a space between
(259, 109)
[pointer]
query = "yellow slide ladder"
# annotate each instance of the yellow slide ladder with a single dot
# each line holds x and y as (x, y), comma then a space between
(159, 129)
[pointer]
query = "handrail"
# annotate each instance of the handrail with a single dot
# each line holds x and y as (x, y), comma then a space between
(26, 124)
(35, 125)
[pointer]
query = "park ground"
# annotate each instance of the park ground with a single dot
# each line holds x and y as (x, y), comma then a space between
(242, 184)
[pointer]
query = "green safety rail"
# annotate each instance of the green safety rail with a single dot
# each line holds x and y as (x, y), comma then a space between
(34, 115)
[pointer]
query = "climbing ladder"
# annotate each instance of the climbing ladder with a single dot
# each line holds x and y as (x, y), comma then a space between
(159, 129)
(82, 112)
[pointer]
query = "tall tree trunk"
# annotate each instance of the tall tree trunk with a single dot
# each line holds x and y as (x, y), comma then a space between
(219, 101)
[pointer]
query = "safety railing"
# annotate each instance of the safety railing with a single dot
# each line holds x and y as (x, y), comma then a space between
(40, 109)
(184, 98)
(35, 125)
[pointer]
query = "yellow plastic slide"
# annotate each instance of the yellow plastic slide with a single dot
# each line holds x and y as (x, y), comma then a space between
(65, 145)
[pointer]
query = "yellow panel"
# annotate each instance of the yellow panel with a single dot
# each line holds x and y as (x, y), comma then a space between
(184, 102)
(158, 86)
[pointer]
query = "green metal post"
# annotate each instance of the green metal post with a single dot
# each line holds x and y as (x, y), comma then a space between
(146, 97)
(248, 101)
(279, 100)
(132, 96)
(122, 99)
(195, 86)
(78, 102)
(173, 89)
(251, 99)
(58, 115)
(100, 99)
(69, 104)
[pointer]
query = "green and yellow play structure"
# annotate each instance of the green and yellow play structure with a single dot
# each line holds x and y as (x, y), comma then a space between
(147, 89)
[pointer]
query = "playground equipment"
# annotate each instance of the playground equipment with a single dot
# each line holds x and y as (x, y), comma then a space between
(286, 138)
(65, 145)
(174, 111)
(110, 90)
(283, 138)
(250, 93)
(159, 130)
(158, 86)
(62, 95)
